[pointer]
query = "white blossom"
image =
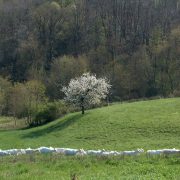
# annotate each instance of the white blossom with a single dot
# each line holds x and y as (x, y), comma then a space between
(86, 90)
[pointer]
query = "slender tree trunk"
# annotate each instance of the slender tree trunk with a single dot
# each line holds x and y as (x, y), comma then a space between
(82, 109)
(15, 120)
(82, 105)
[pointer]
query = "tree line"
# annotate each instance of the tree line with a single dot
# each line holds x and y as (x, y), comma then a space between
(134, 43)
(29, 101)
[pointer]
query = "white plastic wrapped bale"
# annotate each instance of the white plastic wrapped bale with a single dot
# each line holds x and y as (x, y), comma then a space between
(21, 152)
(44, 150)
(154, 152)
(13, 151)
(3, 153)
(171, 151)
(119, 153)
(30, 151)
(116, 153)
(109, 153)
(133, 153)
(93, 152)
(70, 152)
(81, 152)
(60, 150)
(163, 151)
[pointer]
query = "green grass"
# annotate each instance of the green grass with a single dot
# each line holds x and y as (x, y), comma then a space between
(8, 123)
(60, 167)
(147, 124)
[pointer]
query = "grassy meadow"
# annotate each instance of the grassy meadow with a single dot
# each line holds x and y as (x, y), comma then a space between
(47, 167)
(151, 124)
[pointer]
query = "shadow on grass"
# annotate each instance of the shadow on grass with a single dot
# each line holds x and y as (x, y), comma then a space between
(53, 128)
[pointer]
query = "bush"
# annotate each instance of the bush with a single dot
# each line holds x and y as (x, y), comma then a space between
(176, 93)
(50, 112)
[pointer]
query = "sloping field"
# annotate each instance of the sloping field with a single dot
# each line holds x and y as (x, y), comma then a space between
(147, 124)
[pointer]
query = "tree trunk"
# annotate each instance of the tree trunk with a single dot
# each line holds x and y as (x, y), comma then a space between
(15, 121)
(82, 109)
(82, 105)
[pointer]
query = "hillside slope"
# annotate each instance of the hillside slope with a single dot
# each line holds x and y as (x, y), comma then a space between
(147, 124)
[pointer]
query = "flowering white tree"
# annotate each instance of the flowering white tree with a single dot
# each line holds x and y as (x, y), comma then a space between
(86, 90)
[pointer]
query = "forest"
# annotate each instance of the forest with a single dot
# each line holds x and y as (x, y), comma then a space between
(133, 43)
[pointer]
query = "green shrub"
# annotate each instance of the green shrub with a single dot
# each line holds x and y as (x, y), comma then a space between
(176, 93)
(50, 112)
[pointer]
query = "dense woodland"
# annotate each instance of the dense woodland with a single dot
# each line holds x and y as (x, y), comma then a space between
(134, 43)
